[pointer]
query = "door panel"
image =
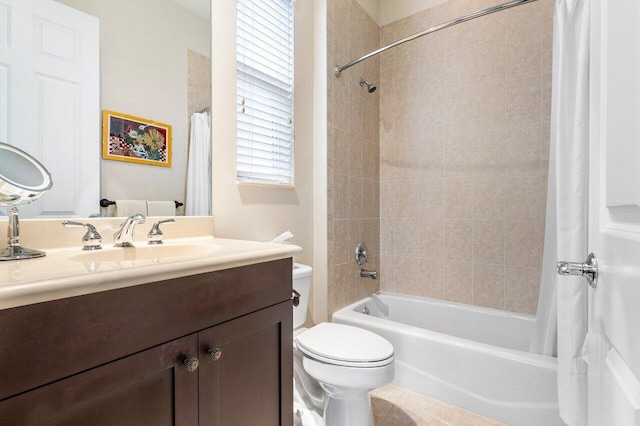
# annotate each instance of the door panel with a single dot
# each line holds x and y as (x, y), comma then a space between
(614, 213)
(49, 100)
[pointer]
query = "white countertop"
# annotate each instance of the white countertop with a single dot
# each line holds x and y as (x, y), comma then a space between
(70, 271)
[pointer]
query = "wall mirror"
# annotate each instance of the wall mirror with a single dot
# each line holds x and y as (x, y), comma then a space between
(153, 62)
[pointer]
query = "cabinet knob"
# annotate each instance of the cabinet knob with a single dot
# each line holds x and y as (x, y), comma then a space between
(191, 364)
(215, 354)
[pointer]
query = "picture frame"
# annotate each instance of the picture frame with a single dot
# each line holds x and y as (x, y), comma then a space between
(135, 139)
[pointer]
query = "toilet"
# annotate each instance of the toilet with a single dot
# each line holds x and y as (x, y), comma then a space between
(335, 366)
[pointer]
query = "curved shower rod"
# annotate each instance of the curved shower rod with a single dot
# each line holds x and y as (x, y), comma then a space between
(337, 70)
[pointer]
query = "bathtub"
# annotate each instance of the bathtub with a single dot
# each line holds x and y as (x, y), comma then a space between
(474, 358)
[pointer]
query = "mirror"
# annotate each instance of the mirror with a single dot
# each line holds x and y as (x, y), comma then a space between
(154, 64)
(22, 181)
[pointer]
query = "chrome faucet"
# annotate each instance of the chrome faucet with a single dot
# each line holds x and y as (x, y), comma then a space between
(366, 273)
(124, 237)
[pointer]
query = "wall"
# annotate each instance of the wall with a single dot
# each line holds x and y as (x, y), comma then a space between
(261, 212)
(353, 147)
(464, 139)
(393, 10)
(143, 55)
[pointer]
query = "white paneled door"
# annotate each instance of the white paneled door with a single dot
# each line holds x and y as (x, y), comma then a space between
(49, 100)
(614, 213)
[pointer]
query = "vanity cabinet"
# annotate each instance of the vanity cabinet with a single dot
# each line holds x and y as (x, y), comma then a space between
(208, 349)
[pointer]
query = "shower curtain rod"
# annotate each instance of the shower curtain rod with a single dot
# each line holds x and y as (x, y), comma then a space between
(337, 70)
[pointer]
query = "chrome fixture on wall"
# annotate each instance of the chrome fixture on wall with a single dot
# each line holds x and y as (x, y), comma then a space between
(361, 253)
(370, 86)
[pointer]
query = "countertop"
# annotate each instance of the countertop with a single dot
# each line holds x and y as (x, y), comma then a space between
(70, 271)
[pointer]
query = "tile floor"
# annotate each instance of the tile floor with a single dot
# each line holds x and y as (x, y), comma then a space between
(395, 406)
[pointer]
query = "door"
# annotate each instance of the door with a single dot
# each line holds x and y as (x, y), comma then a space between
(49, 100)
(152, 387)
(246, 370)
(614, 213)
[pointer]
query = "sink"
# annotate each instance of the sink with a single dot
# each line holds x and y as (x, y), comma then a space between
(165, 252)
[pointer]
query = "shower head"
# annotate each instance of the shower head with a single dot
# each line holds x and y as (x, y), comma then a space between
(370, 86)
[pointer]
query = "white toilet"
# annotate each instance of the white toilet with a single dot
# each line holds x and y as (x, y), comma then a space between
(335, 366)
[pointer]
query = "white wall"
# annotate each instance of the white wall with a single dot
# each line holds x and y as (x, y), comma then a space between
(143, 55)
(261, 212)
(387, 11)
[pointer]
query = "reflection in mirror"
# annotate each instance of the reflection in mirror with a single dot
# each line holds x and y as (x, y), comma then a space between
(155, 64)
(22, 181)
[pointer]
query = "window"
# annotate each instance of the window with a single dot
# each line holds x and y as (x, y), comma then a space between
(265, 91)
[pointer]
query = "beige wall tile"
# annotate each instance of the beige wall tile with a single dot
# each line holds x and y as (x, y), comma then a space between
(459, 157)
(489, 151)
(458, 278)
(488, 285)
(522, 243)
(459, 197)
(525, 17)
(523, 148)
(488, 241)
(342, 253)
(523, 102)
(524, 54)
(407, 280)
(387, 236)
(431, 275)
(341, 196)
(458, 240)
(521, 292)
(430, 238)
(489, 197)
(387, 273)
(523, 195)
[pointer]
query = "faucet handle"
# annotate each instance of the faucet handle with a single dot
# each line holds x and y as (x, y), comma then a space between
(155, 235)
(91, 240)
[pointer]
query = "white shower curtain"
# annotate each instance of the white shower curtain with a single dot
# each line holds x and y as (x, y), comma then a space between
(198, 201)
(566, 236)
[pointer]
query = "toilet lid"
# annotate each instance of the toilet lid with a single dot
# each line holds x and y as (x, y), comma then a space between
(344, 344)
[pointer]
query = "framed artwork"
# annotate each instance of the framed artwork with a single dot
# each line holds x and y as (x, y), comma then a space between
(135, 139)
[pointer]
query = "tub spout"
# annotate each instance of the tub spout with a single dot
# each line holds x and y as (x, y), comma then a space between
(366, 273)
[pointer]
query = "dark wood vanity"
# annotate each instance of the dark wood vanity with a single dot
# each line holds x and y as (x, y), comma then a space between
(207, 349)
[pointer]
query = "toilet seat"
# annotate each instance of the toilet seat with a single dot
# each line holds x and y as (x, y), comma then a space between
(345, 345)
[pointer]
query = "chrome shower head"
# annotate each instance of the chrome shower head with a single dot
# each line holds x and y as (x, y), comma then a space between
(370, 86)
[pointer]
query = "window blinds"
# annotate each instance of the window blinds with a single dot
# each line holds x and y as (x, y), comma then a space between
(265, 91)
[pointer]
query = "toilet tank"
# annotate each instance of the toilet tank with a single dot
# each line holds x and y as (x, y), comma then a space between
(301, 284)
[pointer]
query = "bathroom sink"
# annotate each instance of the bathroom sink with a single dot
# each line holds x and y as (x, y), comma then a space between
(166, 252)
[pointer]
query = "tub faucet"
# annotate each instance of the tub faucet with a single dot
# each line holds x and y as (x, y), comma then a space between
(366, 273)
(124, 237)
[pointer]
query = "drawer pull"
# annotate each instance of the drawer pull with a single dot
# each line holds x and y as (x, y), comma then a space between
(191, 364)
(215, 354)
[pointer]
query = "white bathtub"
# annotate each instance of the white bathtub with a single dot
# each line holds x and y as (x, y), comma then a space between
(471, 357)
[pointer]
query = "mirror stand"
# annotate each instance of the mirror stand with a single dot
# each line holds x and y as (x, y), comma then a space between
(14, 251)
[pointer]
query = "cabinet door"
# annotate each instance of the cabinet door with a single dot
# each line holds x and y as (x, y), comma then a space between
(249, 378)
(152, 387)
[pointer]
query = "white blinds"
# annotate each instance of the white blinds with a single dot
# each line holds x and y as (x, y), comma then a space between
(265, 86)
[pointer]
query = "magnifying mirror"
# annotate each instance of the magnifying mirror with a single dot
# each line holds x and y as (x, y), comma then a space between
(22, 181)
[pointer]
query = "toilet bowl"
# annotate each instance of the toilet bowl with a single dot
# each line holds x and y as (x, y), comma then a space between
(335, 367)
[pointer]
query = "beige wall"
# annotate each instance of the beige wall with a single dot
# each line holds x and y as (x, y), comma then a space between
(464, 134)
(261, 212)
(143, 62)
(353, 147)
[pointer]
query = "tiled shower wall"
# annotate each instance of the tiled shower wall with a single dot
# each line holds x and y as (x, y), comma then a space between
(353, 153)
(464, 146)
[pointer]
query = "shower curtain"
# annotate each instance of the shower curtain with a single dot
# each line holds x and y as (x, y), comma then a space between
(566, 235)
(198, 201)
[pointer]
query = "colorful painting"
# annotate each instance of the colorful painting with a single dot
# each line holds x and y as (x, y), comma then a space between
(135, 139)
